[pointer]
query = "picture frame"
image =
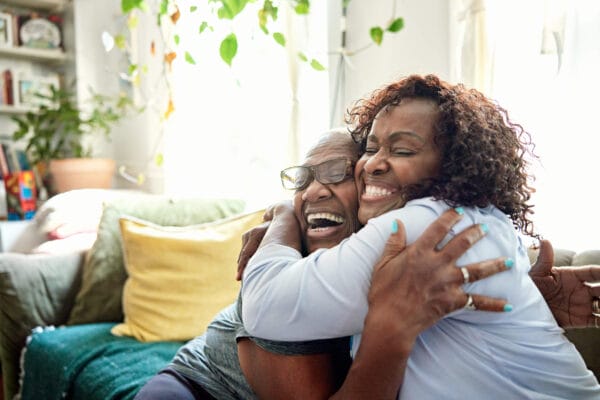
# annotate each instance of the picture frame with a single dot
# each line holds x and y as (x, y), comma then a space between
(26, 86)
(6, 30)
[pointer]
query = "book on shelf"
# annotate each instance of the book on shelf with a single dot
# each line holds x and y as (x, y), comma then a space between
(7, 87)
(12, 159)
(3, 163)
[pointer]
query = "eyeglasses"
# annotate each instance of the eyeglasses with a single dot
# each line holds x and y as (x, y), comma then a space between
(328, 172)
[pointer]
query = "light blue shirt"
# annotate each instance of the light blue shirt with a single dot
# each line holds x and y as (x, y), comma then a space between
(467, 355)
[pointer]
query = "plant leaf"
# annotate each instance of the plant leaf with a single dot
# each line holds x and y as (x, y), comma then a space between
(176, 39)
(203, 26)
(396, 25)
(302, 7)
(376, 34)
(302, 56)
(120, 42)
(230, 8)
(228, 48)
(317, 66)
(193, 9)
(279, 38)
(164, 6)
(128, 5)
(189, 58)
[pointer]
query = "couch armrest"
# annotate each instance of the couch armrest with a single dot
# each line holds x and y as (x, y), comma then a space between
(35, 290)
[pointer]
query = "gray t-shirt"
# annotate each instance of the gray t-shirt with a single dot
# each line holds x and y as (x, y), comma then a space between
(211, 360)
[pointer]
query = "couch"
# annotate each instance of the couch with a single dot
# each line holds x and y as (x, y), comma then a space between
(76, 321)
(121, 279)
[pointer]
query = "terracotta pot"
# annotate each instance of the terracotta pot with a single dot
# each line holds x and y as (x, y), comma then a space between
(81, 173)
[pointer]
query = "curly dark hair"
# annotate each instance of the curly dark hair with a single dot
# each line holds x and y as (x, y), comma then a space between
(483, 153)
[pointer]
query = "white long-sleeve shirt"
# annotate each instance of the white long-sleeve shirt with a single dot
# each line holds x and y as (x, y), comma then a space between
(466, 355)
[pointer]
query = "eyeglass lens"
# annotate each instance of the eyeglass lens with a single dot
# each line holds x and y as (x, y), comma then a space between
(328, 172)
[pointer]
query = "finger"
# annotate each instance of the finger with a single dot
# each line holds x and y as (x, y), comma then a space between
(439, 228)
(589, 273)
(483, 269)
(397, 240)
(545, 259)
(594, 290)
(462, 242)
(485, 303)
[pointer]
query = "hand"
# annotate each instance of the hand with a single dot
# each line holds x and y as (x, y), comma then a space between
(565, 289)
(421, 283)
(250, 241)
(252, 238)
(412, 288)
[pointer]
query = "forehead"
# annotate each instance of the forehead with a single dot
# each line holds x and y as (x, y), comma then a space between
(411, 115)
(330, 147)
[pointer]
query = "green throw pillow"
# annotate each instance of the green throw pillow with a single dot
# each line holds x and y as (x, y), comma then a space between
(35, 290)
(99, 299)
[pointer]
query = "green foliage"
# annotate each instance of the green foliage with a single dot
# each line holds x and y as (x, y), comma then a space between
(316, 65)
(396, 25)
(129, 5)
(228, 48)
(376, 34)
(279, 38)
(189, 59)
(302, 7)
(57, 128)
(229, 8)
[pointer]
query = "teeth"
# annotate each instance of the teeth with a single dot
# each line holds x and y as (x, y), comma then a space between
(324, 215)
(376, 191)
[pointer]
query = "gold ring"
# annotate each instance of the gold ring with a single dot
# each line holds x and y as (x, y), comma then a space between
(465, 273)
(596, 307)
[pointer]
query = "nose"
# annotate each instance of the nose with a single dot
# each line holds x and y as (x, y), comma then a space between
(377, 164)
(316, 191)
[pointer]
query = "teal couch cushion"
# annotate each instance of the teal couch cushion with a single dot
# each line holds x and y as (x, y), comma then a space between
(88, 362)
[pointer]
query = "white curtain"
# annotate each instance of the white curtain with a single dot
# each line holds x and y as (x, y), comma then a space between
(235, 128)
(541, 63)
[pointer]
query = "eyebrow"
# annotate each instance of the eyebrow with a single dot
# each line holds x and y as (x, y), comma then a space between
(395, 135)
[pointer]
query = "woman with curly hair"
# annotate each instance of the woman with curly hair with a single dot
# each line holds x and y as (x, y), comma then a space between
(428, 146)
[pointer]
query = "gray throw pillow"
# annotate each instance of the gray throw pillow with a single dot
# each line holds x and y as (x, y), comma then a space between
(35, 290)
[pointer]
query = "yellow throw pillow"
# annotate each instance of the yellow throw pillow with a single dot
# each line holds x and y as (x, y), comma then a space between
(179, 277)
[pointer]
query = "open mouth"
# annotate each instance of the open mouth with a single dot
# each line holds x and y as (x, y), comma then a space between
(323, 220)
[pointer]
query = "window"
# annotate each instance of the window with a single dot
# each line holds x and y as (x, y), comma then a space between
(235, 128)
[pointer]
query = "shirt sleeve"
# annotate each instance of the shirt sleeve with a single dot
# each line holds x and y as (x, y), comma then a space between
(287, 297)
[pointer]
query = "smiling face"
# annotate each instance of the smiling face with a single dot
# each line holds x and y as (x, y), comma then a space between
(327, 213)
(399, 151)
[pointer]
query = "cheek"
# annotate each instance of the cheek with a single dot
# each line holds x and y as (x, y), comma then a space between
(298, 204)
(360, 164)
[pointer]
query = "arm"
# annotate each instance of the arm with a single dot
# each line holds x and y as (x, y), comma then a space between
(325, 294)
(379, 366)
(565, 289)
(377, 371)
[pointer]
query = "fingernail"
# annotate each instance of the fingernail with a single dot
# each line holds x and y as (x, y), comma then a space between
(459, 210)
(509, 263)
(508, 307)
(394, 226)
(484, 228)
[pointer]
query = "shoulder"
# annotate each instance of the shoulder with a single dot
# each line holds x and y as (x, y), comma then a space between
(416, 216)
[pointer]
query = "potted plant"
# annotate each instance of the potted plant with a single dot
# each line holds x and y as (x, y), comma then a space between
(55, 136)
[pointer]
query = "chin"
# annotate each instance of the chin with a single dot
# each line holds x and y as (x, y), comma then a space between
(368, 211)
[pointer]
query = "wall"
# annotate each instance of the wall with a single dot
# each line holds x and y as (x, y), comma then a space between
(133, 141)
(421, 47)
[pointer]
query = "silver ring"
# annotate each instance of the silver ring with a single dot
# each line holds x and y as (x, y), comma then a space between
(596, 307)
(465, 273)
(470, 305)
